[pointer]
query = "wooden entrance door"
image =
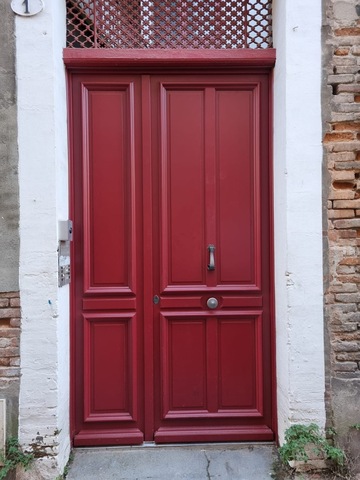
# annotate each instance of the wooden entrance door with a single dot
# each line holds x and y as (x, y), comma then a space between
(171, 258)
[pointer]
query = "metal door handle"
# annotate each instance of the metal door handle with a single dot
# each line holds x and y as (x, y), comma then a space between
(211, 265)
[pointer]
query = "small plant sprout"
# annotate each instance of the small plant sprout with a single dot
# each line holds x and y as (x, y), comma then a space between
(14, 456)
(302, 440)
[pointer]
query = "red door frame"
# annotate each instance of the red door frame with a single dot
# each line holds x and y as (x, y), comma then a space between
(169, 61)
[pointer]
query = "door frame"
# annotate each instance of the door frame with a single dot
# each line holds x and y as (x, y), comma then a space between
(168, 61)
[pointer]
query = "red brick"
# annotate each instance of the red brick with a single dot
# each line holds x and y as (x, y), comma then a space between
(347, 32)
(9, 294)
(341, 51)
(347, 234)
(346, 204)
(338, 137)
(350, 261)
(341, 214)
(344, 126)
(9, 313)
(11, 352)
(15, 322)
(14, 302)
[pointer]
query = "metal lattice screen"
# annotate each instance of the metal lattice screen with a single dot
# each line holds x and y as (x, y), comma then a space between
(169, 24)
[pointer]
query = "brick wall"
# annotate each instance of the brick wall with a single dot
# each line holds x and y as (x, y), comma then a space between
(341, 109)
(10, 356)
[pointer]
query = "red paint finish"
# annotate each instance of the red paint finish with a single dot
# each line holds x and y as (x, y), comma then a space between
(163, 165)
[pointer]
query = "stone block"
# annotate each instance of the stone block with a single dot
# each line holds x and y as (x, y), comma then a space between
(336, 79)
(346, 366)
(347, 297)
(340, 346)
(348, 165)
(348, 223)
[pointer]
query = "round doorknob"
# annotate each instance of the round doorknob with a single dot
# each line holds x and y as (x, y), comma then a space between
(212, 303)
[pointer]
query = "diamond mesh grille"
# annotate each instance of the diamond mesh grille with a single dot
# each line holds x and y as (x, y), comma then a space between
(169, 24)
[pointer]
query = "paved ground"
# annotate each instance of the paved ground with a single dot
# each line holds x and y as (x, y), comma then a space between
(196, 462)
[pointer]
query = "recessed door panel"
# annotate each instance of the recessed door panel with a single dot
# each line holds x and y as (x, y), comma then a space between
(184, 362)
(109, 350)
(109, 261)
(238, 183)
(183, 186)
(240, 360)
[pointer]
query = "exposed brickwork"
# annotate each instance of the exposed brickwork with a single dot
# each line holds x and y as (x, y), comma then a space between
(9, 337)
(342, 200)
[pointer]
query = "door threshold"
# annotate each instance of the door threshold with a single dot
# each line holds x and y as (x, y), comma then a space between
(209, 445)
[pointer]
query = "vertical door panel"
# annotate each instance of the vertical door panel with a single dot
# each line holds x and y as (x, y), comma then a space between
(183, 347)
(240, 364)
(238, 187)
(183, 185)
(109, 261)
(110, 355)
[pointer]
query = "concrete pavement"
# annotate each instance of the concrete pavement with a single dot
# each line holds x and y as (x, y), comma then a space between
(227, 461)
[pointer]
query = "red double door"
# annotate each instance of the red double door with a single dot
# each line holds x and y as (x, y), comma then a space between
(171, 258)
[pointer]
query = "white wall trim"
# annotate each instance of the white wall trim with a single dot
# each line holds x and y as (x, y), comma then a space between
(43, 164)
(298, 213)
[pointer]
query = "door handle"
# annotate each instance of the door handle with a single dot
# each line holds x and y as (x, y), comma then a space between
(211, 264)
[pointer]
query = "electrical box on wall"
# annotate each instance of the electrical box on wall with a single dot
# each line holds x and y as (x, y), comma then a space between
(64, 263)
(65, 229)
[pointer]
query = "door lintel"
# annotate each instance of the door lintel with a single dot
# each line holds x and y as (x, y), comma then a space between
(76, 59)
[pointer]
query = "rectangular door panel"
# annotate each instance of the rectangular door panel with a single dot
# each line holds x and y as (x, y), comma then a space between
(183, 186)
(240, 364)
(109, 251)
(211, 366)
(184, 364)
(110, 356)
(238, 187)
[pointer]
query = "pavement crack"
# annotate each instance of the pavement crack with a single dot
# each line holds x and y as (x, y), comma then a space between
(207, 466)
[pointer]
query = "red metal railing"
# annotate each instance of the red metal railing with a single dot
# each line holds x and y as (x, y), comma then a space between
(189, 24)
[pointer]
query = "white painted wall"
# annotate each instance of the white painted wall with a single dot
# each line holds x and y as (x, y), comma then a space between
(298, 217)
(42, 141)
(44, 398)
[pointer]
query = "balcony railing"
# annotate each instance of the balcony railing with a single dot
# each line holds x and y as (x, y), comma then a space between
(189, 24)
